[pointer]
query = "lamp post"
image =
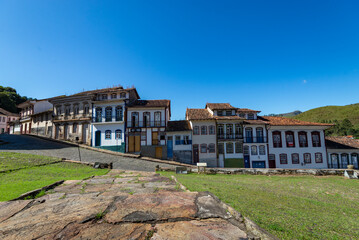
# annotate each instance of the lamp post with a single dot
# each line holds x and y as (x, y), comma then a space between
(78, 147)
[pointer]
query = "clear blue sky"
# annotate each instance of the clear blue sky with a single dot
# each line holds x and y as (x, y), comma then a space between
(273, 56)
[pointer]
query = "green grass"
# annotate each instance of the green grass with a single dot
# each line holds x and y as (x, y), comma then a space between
(13, 184)
(10, 160)
(332, 113)
(290, 207)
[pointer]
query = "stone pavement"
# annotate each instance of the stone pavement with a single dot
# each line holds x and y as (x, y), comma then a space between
(121, 205)
(34, 145)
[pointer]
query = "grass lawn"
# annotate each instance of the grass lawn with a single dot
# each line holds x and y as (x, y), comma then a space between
(290, 207)
(10, 160)
(13, 184)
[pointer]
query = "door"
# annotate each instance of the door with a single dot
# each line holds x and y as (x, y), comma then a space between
(98, 138)
(221, 160)
(271, 161)
(131, 143)
(137, 143)
(84, 133)
(154, 138)
(195, 154)
(65, 131)
(159, 152)
(25, 128)
(247, 162)
(170, 147)
(29, 127)
(249, 135)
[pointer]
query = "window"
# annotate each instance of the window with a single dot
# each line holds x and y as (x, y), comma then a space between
(259, 133)
(186, 140)
(108, 134)
(229, 130)
(239, 147)
(220, 148)
(196, 130)
(86, 109)
(123, 95)
(143, 136)
(335, 162)
(74, 128)
(220, 113)
(238, 131)
(76, 109)
(254, 150)
(344, 160)
(203, 148)
(316, 139)
(229, 148)
(220, 130)
(289, 137)
(98, 114)
(119, 113)
(242, 115)
(118, 133)
(277, 139)
(228, 113)
(246, 150)
(178, 140)
(104, 96)
(211, 130)
(108, 114)
(303, 141)
(307, 158)
(283, 159)
(67, 110)
(134, 119)
(250, 116)
(146, 119)
(46, 117)
(249, 135)
(318, 158)
(203, 130)
(211, 148)
(113, 96)
(157, 119)
(262, 150)
(295, 158)
(271, 157)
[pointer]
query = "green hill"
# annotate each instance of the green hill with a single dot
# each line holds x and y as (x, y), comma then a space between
(332, 113)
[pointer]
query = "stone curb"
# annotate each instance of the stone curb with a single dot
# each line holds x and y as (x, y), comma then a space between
(79, 162)
(250, 225)
(112, 152)
(36, 191)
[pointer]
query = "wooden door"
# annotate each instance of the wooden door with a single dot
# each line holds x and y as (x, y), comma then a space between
(154, 138)
(131, 143)
(195, 154)
(137, 143)
(159, 152)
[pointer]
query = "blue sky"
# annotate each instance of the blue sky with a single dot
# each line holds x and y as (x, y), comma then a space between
(273, 56)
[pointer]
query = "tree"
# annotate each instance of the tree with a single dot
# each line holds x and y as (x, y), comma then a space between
(9, 98)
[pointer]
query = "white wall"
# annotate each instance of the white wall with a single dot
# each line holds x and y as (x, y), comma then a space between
(180, 147)
(300, 150)
(152, 111)
(42, 106)
(210, 158)
(113, 127)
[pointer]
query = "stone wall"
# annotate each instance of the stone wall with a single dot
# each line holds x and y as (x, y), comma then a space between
(42, 131)
(150, 151)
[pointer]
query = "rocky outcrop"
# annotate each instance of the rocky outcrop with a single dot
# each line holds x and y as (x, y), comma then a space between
(121, 205)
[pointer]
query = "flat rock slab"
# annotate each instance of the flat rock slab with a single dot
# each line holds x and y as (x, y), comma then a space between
(120, 205)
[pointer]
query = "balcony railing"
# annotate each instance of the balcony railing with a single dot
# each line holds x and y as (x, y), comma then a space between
(107, 119)
(229, 136)
(255, 139)
(133, 124)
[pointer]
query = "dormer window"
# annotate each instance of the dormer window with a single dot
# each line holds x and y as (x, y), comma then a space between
(123, 95)
(250, 116)
(220, 113)
(113, 96)
(242, 115)
(228, 113)
(104, 97)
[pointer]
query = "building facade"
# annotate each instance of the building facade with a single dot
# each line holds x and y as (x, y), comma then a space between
(6, 118)
(296, 144)
(342, 151)
(179, 141)
(41, 123)
(146, 123)
(108, 123)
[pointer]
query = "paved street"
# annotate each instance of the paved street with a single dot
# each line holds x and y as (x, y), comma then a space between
(33, 145)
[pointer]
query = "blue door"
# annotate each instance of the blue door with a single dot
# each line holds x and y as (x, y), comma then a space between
(169, 148)
(259, 164)
(247, 163)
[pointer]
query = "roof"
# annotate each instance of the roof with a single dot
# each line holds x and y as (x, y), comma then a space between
(150, 103)
(24, 104)
(341, 143)
(176, 126)
(283, 121)
(198, 114)
(45, 111)
(219, 106)
(228, 118)
(246, 110)
(258, 121)
(7, 113)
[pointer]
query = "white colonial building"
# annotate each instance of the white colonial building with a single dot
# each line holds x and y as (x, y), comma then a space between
(342, 151)
(6, 118)
(108, 122)
(296, 144)
(179, 141)
(145, 127)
